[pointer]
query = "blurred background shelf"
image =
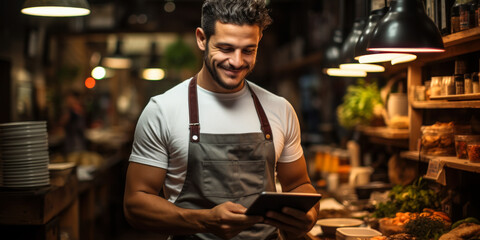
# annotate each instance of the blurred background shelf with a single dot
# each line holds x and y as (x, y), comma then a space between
(449, 161)
(384, 132)
(444, 104)
(386, 136)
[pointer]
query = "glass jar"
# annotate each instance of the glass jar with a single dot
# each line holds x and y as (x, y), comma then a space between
(461, 142)
(448, 85)
(438, 139)
(419, 93)
(436, 87)
(473, 151)
(427, 90)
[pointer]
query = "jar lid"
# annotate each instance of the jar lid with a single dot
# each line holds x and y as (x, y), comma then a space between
(467, 138)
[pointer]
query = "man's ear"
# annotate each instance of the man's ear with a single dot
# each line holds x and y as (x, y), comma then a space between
(201, 39)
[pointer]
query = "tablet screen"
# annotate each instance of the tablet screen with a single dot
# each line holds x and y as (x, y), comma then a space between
(273, 201)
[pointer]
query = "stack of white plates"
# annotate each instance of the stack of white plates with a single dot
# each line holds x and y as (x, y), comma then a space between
(24, 154)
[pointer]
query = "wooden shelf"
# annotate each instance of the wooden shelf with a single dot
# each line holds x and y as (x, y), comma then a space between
(461, 37)
(455, 44)
(384, 132)
(451, 162)
(460, 97)
(444, 104)
(386, 136)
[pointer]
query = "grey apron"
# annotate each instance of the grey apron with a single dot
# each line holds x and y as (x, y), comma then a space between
(228, 167)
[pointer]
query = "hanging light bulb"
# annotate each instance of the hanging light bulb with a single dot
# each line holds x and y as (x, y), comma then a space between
(153, 72)
(406, 28)
(337, 72)
(56, 8)
(117, 60)
(362, 67)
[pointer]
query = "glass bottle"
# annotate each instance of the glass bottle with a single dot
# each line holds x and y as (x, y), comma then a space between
(475, 86)
(458, 77)
(467, 83)
(473, 16)
(459, 84)
(444, 15)
(465, 15)
(455, 17)
(477, 15)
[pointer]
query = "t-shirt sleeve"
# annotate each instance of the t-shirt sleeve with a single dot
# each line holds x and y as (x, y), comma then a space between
(149, 145)
(292, 150)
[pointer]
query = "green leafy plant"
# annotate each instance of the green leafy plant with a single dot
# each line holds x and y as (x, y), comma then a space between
(180, 55)
(359, 104)
(410, 198)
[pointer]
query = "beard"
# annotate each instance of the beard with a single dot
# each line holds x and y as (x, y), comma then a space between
(212, 69)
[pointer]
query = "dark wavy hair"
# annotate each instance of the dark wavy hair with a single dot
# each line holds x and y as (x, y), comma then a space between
(238, 12)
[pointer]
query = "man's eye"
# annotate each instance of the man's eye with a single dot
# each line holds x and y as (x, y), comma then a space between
(225, 49)
(249, 51)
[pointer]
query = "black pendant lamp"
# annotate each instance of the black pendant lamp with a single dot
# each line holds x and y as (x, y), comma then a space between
(56, 8)
(364, 56)
(348, 49)
(153, 70)
(117, 60)
(373, 19)
(406, 28)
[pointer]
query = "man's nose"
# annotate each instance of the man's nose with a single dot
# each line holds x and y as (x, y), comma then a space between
(236, 59)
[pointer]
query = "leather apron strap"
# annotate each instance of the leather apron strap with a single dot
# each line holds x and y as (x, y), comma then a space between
(194, 119)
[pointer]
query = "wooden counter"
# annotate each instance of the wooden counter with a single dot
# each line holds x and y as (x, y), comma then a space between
(40, 213)
(78, 209)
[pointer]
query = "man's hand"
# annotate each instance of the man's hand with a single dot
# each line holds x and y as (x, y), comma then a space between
(228, 219)
(294, 223)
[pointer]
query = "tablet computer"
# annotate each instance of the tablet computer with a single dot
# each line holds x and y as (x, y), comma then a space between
(275, 201)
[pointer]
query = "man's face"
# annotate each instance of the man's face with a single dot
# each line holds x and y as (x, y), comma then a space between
(230, 54)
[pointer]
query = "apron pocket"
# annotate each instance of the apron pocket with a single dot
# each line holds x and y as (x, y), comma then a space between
(233, 179)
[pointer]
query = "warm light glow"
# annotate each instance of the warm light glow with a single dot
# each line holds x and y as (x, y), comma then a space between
(386, 57)
(403, 59)
(56, 11)
(169, 7)
(362, 67)
(90, 82)
(420, 50)
(117, 62)
(153, 74)
(99, 73)
(337, 72)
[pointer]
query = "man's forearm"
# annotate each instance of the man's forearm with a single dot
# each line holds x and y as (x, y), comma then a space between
(153, 213)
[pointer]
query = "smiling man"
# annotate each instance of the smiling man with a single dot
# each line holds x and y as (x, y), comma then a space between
(214, 142)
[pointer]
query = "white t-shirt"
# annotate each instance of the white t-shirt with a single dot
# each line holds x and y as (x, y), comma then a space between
(162, 132)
